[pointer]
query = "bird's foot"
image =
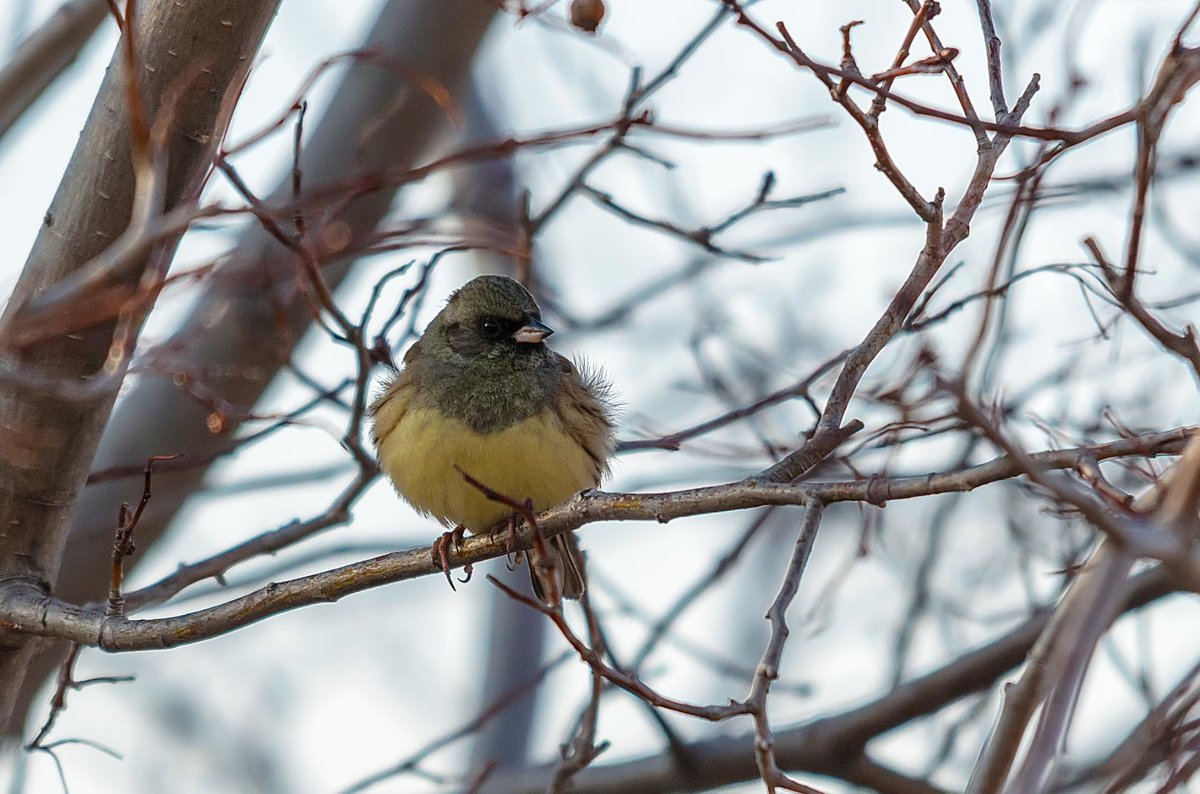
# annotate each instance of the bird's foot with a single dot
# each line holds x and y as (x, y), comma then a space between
(509, 527)
(441, 552)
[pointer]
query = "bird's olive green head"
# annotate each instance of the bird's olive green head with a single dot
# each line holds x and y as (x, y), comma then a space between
(483, 358)
(490, 317)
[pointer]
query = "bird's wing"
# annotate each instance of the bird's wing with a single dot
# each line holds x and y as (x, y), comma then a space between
(584, 408)
(392, 403)
(413, 351)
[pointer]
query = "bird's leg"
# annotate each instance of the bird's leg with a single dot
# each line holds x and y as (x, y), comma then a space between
(441, 552)
(511, 544)
(509, 527)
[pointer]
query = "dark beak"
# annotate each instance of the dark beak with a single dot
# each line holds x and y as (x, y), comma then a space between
(532, 332)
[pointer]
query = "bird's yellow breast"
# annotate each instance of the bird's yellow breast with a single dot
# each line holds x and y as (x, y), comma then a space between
(534, 458)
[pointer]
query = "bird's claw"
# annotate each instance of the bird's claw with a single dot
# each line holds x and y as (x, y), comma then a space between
(509, 527)
(441, 553)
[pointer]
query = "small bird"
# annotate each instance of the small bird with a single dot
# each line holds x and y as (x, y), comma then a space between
(482, 394)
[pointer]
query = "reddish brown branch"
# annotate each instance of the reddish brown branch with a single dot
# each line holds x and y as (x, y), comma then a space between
(616, 677)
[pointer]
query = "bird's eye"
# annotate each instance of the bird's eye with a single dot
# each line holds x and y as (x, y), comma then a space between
(492, 328)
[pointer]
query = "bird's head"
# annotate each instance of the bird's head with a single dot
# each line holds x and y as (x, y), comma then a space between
(489, 318)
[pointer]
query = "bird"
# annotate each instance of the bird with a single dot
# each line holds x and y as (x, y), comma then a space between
(481, 394)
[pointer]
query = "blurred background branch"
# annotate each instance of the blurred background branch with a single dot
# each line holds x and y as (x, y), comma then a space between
(45, 54)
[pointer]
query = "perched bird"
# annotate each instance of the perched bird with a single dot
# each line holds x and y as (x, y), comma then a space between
(481, 393)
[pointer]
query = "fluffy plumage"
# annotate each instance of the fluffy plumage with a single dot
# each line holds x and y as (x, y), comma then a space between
(481, 391)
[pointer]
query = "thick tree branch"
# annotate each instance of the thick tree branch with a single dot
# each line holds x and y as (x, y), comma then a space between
(26, 607)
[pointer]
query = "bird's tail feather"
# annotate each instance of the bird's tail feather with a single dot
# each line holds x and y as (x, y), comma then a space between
(568, 565)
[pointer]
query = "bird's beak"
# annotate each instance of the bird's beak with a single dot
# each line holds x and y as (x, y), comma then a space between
(532, 332)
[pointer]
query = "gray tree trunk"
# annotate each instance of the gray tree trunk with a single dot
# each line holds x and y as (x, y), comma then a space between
(251, 316)
(51, 437)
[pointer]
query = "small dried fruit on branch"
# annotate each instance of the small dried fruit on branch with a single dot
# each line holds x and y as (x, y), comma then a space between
(587, 14)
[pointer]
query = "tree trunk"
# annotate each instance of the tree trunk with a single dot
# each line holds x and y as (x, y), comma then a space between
(437, 38)
(201, 51)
